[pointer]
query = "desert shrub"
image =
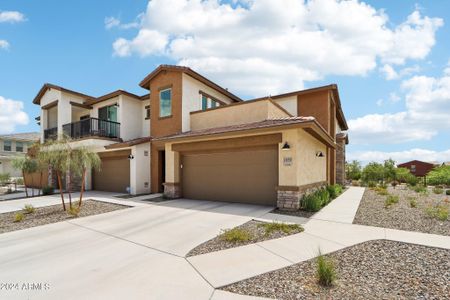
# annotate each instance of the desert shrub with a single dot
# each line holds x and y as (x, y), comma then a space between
(383, 185)
(381, 191)
(236, 235)
(4, 178)
(323, 195)
(311, 202)
(412, 202)
(438, 190)
(29, 209)
(371, 184)
(277, 226)
(19, 181)
(353, 170)
(390, 200)
(419, 189)
(439, 175)
(439, 212)
(74, 211)
(412, 180)
(48, 190)
(18, 217)
(447, 192)
(326, 273)
(334, 190)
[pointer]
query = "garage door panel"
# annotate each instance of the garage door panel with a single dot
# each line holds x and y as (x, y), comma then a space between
(246, 176)
(114, 175)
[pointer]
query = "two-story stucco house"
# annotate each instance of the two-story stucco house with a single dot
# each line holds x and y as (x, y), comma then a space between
(13, 145)
(189, 137)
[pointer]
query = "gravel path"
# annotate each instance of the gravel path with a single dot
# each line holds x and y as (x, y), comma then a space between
(53, 214)
(401, 216)
(258, 233)
(372, 270)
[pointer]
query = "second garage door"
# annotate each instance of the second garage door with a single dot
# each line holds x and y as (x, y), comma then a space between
(114, 175)
(249, 176)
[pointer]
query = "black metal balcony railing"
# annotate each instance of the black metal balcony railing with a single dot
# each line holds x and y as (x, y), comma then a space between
(50, 133)
(92, 127)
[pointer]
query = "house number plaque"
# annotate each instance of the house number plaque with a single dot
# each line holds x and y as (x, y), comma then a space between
(287, 161)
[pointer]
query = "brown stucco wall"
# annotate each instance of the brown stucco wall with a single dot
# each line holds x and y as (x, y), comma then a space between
(167, 125)
(316, 105)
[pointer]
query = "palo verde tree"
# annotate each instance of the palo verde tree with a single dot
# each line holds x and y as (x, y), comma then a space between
(27, 165)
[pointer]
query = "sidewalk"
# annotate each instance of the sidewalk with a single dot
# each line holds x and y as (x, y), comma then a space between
(329, 230)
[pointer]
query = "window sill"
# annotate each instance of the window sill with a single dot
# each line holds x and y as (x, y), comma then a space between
(147, 118)
(166, 117)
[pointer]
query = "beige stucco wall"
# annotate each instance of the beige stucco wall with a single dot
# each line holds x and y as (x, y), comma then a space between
(139, 169)
(289, 104)
(311, 168)
(236, 114)
(192, 100)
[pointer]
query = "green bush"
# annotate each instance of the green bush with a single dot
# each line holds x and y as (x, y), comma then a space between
(4, 178)
(48, 190)
(29, 209)
(438, 190)
(439, 212)
(324, 196)
(371, 184)
(18, 217)
(390, 200)
(381, 191)
(419, 189)
(334, 190)
(326, 273)
(235, 235)
(311, 202)
(447, 192)
(277, 226)
(412, 180)
(439, 175)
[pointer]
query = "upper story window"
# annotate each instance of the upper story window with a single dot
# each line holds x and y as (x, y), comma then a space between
(413, 168)
(165, 103)
(208, 103)
(19, 147)
(6, 145)
(147, 112)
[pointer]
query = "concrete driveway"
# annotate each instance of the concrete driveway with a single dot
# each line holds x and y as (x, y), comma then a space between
(134, 253)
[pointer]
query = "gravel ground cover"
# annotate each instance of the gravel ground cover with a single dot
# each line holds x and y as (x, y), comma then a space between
(371, 270)
(53, 214)
(401, 215)
(255, 229)
(297, 213)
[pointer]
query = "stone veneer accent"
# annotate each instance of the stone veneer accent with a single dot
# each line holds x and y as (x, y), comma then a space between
(172, 190)
(288, 197)
(340, 161)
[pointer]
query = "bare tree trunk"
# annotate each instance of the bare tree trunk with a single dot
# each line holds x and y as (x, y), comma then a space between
(32, 186)
(40, 184)
(24, 183)
(83, 176)
(69, 188)
(60, 189)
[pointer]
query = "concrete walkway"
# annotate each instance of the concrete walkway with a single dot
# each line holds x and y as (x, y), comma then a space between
(329, 230)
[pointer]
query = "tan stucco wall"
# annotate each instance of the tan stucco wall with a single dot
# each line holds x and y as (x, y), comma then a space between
(244, 113)
(306, 167)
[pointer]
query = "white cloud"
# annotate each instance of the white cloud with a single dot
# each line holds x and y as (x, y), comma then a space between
(427, 101)
(11, 17)
(4, 44)
(390, 73)
(11, 115)
(111, 22)
(401, 156)
(380, 102)
(247, 45)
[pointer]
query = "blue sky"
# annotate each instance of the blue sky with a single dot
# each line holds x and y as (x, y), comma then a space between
(389, 58)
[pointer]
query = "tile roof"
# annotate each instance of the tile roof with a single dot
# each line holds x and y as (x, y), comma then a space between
(129, 143)
(255, 125)
(26, 136)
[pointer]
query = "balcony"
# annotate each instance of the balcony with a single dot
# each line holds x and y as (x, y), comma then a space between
(50, 134)
(92, 127)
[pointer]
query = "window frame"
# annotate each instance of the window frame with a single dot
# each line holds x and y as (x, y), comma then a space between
(21, 146)
(10, 146)
(161, 116)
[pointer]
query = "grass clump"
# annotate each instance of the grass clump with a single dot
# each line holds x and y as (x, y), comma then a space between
(412, 202)
(29, 209)
(74, 211)
(438, 190)
(315, 200)
(277, 226)
(236, 235)
(326, 273)
(419, 189)
(390, 200)
(334, 190)
(439, 212)
(381, 191)
(19, 217)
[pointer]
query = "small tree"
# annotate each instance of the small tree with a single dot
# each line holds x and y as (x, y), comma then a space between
(389, 170)
(373, 172)
(353, 170)
(18, 163)
(28, 166)
(82, 160)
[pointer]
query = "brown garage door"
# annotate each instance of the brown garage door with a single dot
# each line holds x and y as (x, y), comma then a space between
(114, 175)
(249, 176)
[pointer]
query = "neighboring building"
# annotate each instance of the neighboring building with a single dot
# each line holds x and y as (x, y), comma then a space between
(191, 138)
(13, 145)
(417, 167)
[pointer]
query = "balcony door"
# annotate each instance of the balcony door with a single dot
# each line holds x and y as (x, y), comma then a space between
(108, 113)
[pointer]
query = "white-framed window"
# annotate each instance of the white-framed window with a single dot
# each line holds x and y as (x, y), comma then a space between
(7, 145)
(208, 103)
(165, 103)
(19, 147)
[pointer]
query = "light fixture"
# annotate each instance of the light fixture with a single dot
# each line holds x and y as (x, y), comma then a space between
(286, 146)
(319, 154)
(130, 157)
